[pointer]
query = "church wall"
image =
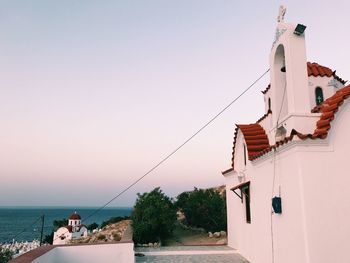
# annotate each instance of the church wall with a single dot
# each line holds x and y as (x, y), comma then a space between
(326, 193)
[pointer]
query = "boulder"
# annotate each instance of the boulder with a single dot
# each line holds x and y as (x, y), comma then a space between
(217, 234)
(223, 233)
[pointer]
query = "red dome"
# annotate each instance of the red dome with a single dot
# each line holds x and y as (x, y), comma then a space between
(75, 216)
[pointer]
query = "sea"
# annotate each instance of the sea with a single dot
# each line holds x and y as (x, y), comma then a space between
(23, 224)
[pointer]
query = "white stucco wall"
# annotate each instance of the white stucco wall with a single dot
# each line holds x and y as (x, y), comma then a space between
(62, 231)
(120, 252)
(326, 194)
(254, 240)
(312, 179)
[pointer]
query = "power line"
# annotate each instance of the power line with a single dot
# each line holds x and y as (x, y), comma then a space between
(177, 148)
(180, 146)
(25, 229)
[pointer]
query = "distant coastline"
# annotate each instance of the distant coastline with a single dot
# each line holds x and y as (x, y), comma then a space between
(23, 223)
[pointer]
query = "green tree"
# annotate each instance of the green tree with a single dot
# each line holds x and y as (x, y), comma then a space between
(59, 223)
(56, 225)
(153, 217)
(204, 208)
(92, 226)
(5, 255)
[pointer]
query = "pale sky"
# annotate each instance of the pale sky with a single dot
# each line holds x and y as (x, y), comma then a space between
(94, 93)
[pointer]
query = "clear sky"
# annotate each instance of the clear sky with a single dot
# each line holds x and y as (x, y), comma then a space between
(94, 93)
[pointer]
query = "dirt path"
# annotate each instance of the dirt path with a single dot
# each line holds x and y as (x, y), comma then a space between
(187, 237)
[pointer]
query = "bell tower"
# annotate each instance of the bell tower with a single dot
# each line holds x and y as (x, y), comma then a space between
(290, 103)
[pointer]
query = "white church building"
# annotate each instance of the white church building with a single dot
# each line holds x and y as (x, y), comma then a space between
(73, 230)
(288, 197)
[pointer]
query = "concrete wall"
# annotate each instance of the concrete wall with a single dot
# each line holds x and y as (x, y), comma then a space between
(254, 240)
(313, 181)
(118, 252)
(326, 183)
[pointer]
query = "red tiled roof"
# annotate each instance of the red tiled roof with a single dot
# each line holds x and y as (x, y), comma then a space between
(266, 90)
(264, 116)
(256, 138)
(70, 228)
(314, 69)
(75, 216)
(328, 109)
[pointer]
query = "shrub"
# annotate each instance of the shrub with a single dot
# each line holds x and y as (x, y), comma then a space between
(153, 217)
(101, 237)
(5, 255)
(56, 225)
(204, 208)
(116, 237)
(92, 226)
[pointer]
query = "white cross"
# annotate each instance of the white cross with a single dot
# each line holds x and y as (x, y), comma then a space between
(281, 13)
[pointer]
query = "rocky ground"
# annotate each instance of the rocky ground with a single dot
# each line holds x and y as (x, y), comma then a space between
(190, 237)
(109, 233)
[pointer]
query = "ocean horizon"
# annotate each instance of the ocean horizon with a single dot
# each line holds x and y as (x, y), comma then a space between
(23, 223)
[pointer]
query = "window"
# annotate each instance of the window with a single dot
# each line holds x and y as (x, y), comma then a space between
(246, 194)
(319, 95)
(245, 154)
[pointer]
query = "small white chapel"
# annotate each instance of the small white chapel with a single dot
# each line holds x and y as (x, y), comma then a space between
(288, 197)
(73, 230)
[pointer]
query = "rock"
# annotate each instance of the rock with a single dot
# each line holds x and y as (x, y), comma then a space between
(221, 242)
(223, 233)
(216, 234)
(210, 234)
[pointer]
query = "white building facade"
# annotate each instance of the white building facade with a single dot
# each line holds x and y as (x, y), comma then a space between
(73, 230)
(295, 158)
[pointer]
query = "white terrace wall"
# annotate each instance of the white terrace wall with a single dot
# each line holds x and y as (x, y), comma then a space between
(118, 252)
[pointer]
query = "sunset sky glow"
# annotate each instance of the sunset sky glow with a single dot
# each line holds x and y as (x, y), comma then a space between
(94, 93)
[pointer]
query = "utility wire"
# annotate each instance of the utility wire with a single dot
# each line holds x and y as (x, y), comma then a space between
(180, 146)
(177, 148)
(25, 229)
(274, 175)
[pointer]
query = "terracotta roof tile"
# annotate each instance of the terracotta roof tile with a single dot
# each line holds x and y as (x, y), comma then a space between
(314, 69)
(255, 137)
(257, 140)
(74, 216)
(266, 90)
(264, 116)
(328, 109)
(70, 228)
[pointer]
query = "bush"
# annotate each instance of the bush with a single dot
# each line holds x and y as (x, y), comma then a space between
(60, 223)
(48, 239)
(203, 208)
(153, 217)
(101, 237)
(56, 225)
(5, 255)
(92, 226)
